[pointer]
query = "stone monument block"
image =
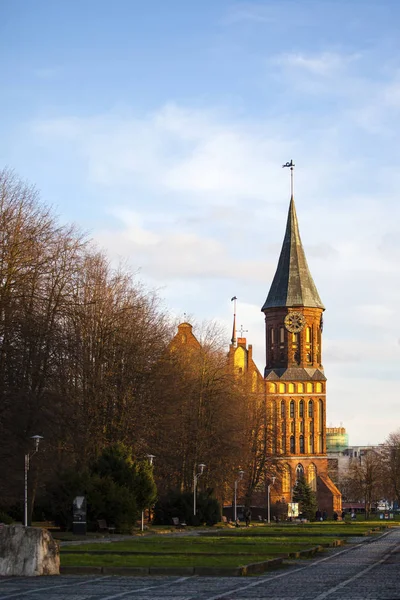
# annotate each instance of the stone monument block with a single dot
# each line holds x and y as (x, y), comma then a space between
(28, 551)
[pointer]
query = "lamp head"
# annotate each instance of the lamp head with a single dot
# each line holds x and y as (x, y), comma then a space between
(37, 439)
(151, 457)
(241, 473)
(201, 467)
(273, 480)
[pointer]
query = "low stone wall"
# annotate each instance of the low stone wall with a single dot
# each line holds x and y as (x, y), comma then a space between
(28, 551)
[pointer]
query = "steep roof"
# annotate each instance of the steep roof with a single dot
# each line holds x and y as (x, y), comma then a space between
(292, 284)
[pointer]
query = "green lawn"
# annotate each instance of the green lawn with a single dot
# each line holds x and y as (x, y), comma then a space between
(205, 545)
(216, 547)
(186, 551)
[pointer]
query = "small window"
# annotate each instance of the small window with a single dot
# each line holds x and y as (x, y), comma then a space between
(291, 388)
(272, 387)
(308, 335)
(272, 336)
(301, 443)
(283, 444)
(300, 388)
(299, 471)
(282, 335)
(301, 426)
(282, 388)
(318, 387)
(292, 446)
(309, 387)
(310, 408)
(292, 427)
(301, 408)
(291, 409)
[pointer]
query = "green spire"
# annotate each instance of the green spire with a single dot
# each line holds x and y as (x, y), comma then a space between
(292, 284)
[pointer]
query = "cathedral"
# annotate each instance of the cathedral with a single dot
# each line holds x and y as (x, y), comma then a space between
(294, 375)
(294, 383)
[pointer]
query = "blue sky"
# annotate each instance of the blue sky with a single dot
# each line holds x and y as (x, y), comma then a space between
(160, 127)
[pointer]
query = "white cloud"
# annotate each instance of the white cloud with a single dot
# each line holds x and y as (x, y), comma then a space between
(323, 64)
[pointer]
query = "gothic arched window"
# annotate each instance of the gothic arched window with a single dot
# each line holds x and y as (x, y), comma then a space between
(291, 409)
(310, 408)
(301, 408)
(299, 471)
(321, 415)
(283, 409)
(301, 444)
(292, 445)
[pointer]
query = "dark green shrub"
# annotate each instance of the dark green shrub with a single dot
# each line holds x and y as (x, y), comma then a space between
(180, 505)
(5, 518)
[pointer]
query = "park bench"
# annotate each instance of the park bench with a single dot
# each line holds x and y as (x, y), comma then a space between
(177, 522)
(102, 525)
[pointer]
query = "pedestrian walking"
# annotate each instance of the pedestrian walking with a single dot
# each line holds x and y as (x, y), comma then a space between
(247, 516)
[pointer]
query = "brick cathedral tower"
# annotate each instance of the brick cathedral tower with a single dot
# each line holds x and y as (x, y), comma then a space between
(294, 375)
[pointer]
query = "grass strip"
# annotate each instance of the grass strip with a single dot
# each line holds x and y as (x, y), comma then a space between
(166, 560)
(215, 545)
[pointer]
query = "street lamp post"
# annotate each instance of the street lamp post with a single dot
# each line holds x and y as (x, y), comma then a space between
(195, 478)
(269, 499)
(151, 457)
(241, 473)
(28, 456)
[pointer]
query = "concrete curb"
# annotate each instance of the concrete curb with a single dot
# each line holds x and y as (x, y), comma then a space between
(250, 569)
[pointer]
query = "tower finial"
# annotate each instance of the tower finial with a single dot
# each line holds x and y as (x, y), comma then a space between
(242, 331)
(233, 340)
(291, 165)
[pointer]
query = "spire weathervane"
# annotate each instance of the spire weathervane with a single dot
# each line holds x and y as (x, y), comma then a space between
(290, 165)
(233, 340)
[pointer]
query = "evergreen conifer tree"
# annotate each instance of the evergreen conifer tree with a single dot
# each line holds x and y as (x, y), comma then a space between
(306, 498)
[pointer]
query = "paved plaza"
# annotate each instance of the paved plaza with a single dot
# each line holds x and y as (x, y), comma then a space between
(369, 569)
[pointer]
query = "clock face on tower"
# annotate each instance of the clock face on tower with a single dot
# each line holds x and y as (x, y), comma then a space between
(294, 322)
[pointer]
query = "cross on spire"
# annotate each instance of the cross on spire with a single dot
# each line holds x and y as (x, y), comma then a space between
(242, 331)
